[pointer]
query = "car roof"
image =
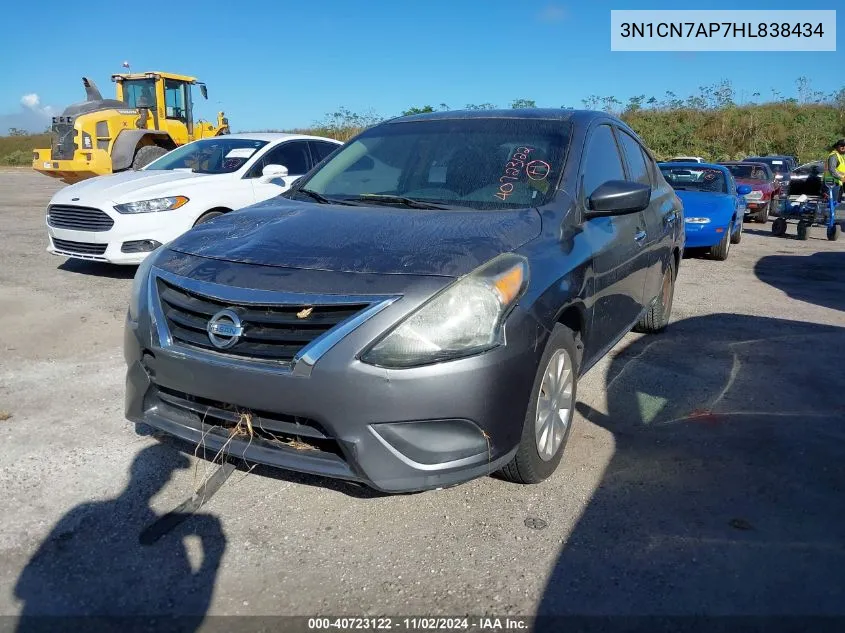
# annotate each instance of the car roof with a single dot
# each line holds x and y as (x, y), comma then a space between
(550, 114)
(693, 164)
(275, 136)
(744, 162)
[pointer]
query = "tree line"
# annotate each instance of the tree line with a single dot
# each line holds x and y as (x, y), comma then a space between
(715, 122)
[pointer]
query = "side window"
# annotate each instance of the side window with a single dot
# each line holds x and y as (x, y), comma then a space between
(293, 155)
(601, 161)
(634, 154)
(174, 99)
(651, 165)
(321, 149)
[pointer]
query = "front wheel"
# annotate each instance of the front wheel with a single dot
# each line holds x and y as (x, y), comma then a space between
(779, 227)
(833, 232)
(657, 316)
(763, 215)
(736, 237)
(802, 230)
(548, 420)
(723, 248)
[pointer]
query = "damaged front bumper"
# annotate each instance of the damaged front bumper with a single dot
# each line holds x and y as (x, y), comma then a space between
(393, 430)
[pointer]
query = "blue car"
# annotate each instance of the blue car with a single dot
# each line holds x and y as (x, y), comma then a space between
(713, 204)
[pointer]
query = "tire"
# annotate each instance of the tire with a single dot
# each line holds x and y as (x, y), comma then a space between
(205, 217)
(833, 232)
(657, 317)
(147, 154)
(736, 237)
(763, 215)
(527, 466)
(802, 230)
(723, 248)
(779, 227)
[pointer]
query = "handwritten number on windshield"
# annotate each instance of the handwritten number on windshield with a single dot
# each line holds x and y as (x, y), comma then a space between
(513, 170)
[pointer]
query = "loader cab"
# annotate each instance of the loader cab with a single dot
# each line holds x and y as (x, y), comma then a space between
(167, 97)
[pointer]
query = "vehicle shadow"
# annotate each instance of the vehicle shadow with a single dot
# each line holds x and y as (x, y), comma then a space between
(92, 568)
(97, 269)
(818, 278)
(724, 493)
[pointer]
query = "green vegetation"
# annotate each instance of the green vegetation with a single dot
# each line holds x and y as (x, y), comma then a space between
(712, 123)
(16, 149)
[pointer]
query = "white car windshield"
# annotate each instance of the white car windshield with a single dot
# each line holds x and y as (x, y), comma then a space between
(218, 155)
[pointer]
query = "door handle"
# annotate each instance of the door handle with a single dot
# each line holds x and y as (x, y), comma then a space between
(640, 235)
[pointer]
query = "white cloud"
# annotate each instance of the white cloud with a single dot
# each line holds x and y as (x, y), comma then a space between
(553, 13)
(32, 102)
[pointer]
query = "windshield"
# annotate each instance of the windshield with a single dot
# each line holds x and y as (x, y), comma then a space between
(139, 92)
(219, 155)
(748, 172)
(478, 163)
(693, 179)
(778, 165)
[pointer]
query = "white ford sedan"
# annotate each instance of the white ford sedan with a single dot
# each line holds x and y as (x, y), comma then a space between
(121, 218)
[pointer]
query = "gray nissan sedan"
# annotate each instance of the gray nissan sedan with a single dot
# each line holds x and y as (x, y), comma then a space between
(417, 310)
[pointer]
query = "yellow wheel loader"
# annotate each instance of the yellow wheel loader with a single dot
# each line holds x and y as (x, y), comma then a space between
(152, 114)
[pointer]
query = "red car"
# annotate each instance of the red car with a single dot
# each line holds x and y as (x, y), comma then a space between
(765, 187)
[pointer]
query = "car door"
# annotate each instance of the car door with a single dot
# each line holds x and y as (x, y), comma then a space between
(291, 154)
(661, 215)
(617, 243)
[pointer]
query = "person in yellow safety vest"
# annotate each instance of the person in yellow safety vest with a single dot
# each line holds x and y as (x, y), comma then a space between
(834, 169)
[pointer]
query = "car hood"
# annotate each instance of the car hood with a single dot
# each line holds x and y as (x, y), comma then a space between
(700, 203)
(361, 239)
(128, 186)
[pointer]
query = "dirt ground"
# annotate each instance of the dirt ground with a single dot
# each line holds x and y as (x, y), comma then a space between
(705, 471)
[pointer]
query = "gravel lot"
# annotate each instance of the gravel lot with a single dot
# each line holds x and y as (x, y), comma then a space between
(704, 474)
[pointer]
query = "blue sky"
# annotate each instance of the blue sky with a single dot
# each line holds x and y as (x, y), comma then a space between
(286, 64)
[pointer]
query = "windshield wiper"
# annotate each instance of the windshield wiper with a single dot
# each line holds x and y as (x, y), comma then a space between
(408, 202)
(320, 197)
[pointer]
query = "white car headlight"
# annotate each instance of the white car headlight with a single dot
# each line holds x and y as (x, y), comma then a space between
(697, 220)
(754, 195)
(139, 285)
(464, 319)
(150, 206)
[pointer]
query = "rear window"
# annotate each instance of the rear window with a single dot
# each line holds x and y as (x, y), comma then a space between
(493, 163)
(694, 179)
(748, 172)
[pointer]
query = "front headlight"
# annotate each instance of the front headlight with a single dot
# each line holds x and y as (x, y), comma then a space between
(464, 319)
(139, 285)
(754, 195)
(150, 206)
(698, 220)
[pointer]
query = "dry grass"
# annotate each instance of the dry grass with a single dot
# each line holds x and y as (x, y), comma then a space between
(4, 415)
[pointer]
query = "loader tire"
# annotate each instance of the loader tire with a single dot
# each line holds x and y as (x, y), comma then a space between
(147, 154)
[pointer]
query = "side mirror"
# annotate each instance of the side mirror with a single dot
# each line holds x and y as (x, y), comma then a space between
(617, 197)
(272, 172)
(744, 190)
(204, 91)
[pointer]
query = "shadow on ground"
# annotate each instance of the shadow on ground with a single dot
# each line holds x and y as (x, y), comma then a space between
(818, 278)
(724, 493)
(97, 269)
(92, 564)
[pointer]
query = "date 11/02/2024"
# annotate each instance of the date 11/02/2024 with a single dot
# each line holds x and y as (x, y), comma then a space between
(417, 624)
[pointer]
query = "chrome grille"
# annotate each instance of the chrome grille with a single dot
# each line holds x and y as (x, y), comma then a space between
(62, 216)
(270, 332)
